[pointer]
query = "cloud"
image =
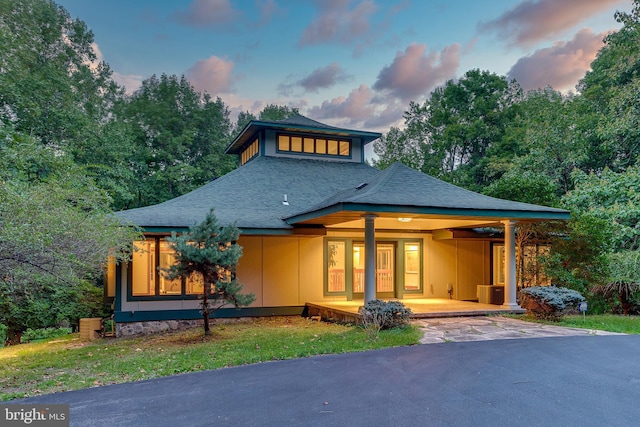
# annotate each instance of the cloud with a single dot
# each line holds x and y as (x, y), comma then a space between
(561, 65)
(337, 23)
(320, 78)
(414, 73)
(207, 14)
(131, 82)
(213, 75)
(362, 108)
(356, 107)
(535, 20)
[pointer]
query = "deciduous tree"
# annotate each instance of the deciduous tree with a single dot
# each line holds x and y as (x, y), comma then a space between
(56, 232)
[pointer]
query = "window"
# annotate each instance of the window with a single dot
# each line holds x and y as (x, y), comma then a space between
(396, 260)
(528, 269)
(336, 252)
(110, 277)
(147, 280)
(412, 266)
(167, 259)
(310, 145)
(250, 152)
(143, 271)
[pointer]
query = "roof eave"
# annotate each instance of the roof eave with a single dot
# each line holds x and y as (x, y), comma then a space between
(435, 211)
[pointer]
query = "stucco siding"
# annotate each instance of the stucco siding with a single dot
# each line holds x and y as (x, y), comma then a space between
(471, 266)
(249, 270)
(442, 268)
(280, 271)
(311, 269)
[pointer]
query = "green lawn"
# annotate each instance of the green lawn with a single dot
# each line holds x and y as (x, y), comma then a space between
(66, 363)
(603, 322)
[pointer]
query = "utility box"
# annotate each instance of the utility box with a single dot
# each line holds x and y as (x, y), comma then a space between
(90, 328)
(497, 295)
(489, 294)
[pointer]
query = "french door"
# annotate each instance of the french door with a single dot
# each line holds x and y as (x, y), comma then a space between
(385, 270)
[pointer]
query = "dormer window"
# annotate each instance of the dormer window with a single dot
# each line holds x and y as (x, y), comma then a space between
(249, 153)
(313, 145)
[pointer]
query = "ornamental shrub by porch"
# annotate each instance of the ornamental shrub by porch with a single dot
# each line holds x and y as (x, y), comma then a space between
(549, 302)
(384, 314)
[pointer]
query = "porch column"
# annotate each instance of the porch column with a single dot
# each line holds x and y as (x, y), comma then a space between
(369, 257)
(510, 285)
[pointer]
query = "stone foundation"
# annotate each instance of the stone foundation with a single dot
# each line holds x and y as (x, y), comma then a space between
(154, 327)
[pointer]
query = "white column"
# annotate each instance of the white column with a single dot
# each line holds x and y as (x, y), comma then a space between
(369, 257)
(510, 285)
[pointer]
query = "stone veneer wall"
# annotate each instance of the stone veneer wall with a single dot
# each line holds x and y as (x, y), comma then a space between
(153, 327)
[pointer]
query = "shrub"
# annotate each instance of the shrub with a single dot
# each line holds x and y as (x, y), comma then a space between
(43, 333)
(3, 334)
(377, 315)
(549, 302)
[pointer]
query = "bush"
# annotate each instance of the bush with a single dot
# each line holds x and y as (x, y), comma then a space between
(3, 334)
(549, 302)
(43, 333)
(377, 315)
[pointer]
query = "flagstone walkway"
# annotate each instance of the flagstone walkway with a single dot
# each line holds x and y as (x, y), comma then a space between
(484, 328)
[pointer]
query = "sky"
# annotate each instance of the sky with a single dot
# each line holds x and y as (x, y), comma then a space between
(351, 63)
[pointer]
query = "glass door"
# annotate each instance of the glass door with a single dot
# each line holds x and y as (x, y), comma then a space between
(385, 270)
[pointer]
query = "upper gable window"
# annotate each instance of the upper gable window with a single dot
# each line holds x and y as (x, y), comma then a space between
(249, 153)
(308, 145)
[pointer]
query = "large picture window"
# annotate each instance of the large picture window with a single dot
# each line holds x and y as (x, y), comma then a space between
(147, 280)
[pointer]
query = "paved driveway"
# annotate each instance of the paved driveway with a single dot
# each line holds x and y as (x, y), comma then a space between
(569, 381)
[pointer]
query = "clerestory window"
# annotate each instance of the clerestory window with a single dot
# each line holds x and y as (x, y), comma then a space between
(311, 145)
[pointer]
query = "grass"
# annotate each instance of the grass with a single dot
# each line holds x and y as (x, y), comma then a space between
(66, 363)
(602, 322)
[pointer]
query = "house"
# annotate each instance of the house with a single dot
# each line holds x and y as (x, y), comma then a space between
(310, 210)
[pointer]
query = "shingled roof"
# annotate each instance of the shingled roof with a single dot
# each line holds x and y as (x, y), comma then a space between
(409, 190)
(252, 196)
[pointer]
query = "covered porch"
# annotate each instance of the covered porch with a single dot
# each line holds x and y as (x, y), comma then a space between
(347, 311)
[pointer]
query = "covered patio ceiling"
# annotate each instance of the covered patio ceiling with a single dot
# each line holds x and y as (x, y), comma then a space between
(404, 221)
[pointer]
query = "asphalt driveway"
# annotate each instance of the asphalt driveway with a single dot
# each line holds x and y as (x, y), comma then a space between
(570, 381)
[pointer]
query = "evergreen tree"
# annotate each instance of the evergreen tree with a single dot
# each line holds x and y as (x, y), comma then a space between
(208, 254)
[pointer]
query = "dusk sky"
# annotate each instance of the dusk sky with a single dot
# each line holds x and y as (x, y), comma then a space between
(352, 63)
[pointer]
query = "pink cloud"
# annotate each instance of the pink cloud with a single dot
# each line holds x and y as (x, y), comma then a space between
(355, 107)
(362, 108)
(535, 20)
(560, 66)
(336, 22)
(212, 75)
(207, 13)
(413, 73)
